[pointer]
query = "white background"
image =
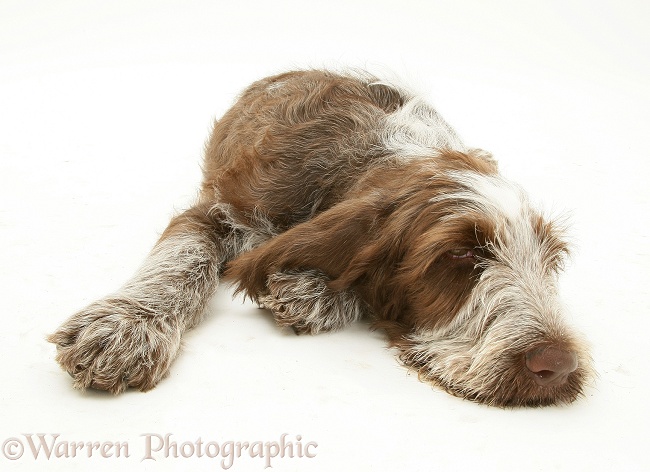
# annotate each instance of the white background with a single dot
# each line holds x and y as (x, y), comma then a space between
(104, 108)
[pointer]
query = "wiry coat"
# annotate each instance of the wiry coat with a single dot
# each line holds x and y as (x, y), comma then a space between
(330, 197)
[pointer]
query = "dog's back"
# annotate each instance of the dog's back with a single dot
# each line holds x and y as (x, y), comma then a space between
(294, 144)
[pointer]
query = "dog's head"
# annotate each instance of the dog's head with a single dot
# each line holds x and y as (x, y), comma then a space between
(462, 272)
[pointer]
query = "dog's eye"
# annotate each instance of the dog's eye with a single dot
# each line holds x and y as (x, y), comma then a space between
(461, 253)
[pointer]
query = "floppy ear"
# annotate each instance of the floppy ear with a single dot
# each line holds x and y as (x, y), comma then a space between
(342, 242)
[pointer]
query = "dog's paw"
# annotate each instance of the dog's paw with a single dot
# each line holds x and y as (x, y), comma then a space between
(116, 343)
(287, 313)
(303, 301)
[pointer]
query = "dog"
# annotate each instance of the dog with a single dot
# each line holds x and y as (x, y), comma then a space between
(330, 197)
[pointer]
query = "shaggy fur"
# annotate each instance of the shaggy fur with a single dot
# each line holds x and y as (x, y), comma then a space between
(331, 197)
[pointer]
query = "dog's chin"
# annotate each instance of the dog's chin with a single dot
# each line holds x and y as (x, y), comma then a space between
(524, 393)
(510, 387)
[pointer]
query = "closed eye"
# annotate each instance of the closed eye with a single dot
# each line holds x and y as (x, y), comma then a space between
(461, 253)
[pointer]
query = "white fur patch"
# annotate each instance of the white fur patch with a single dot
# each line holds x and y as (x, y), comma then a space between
(275, 87)
(489, 193)
(416, 129)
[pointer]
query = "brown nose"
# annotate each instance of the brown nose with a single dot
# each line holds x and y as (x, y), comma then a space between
(549, 366)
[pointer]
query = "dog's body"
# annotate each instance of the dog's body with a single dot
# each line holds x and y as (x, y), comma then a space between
(330, 197)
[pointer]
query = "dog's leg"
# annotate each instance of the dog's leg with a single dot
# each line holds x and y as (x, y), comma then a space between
(131, 337)
(302, 300)
(337, 242)
(306, 275)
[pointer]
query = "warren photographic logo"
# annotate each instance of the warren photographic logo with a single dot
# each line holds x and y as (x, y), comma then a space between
(157, 447)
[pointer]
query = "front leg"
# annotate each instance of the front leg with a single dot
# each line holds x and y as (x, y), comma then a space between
(307, 276)
(340, 243)
(130, 338)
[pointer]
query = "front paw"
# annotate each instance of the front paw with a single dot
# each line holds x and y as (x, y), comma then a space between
(116, 343)
(303, 301)
(286, 313)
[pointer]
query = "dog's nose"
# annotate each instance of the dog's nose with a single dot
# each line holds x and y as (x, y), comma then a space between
(549, 366)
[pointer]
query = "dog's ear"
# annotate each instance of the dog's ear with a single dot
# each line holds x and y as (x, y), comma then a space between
(372, 270)
(377, 253)
(343, 242)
